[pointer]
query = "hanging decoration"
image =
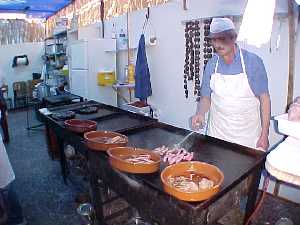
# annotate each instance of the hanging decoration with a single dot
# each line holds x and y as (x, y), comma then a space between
(192, 57)
(193, 52)
(189, 54)
(207, 47)
(88, 11)
(197, 59)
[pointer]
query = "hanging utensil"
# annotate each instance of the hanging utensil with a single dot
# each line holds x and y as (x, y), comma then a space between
(102, 17)
(146, 20)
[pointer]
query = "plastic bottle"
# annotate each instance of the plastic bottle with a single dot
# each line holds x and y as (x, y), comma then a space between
(131, 73)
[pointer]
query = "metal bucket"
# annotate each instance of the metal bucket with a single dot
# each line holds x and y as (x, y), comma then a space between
(86, 211)
(284, 221)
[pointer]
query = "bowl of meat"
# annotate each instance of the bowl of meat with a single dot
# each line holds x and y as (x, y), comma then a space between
(192, 181)
(103, 140)
(80, 126)
(63, 115)
(134, 160)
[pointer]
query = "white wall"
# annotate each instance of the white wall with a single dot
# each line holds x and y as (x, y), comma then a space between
(34, 52)
(166, 59)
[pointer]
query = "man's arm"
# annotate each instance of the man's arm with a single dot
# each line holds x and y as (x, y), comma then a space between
(265, 113)
(203, 105)
(199, 118)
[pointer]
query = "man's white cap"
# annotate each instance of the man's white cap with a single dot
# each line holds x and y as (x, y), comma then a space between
(219, 25)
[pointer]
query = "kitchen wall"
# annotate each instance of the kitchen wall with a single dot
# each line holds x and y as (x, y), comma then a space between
(34, 52)
(166, 59)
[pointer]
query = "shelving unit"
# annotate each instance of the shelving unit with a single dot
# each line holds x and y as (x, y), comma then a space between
(131, 48)
(55, 58)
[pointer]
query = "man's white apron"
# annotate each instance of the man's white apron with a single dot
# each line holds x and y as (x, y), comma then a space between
(235, 111)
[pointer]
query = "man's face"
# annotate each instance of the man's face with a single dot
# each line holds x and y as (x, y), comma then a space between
(223, 45)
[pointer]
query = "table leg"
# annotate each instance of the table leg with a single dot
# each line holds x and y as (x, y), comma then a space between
(120, 95)
(130, 92)
(96, 198)
(252, 193)
(63, 161)
(277, 187)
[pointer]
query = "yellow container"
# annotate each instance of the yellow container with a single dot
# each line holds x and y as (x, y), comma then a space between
(65, 72)
(131, 73)
(106, 78)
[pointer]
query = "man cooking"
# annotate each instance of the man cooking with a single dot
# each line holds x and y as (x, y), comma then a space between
(235, 91)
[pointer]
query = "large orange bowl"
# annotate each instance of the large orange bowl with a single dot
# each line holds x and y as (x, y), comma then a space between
(118, 156)
(94, 140)
(80, 126)
(211, 172)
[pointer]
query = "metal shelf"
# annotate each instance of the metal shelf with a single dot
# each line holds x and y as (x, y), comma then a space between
(123, 85)
(62, 33)
(57, 53)
(54, 44)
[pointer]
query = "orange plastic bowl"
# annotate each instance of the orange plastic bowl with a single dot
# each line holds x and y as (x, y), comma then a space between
(211, 172)
(117, 159)
(94, 140)
(80, 126)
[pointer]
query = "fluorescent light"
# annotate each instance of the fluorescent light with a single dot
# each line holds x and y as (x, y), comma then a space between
(257, 22)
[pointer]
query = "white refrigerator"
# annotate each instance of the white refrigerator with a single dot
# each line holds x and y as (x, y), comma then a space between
(87, 58)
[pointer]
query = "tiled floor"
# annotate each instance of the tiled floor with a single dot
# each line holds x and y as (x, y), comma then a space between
(46, 200)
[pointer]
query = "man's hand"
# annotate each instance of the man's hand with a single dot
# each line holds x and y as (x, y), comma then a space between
(263, 142)
(198, 122)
